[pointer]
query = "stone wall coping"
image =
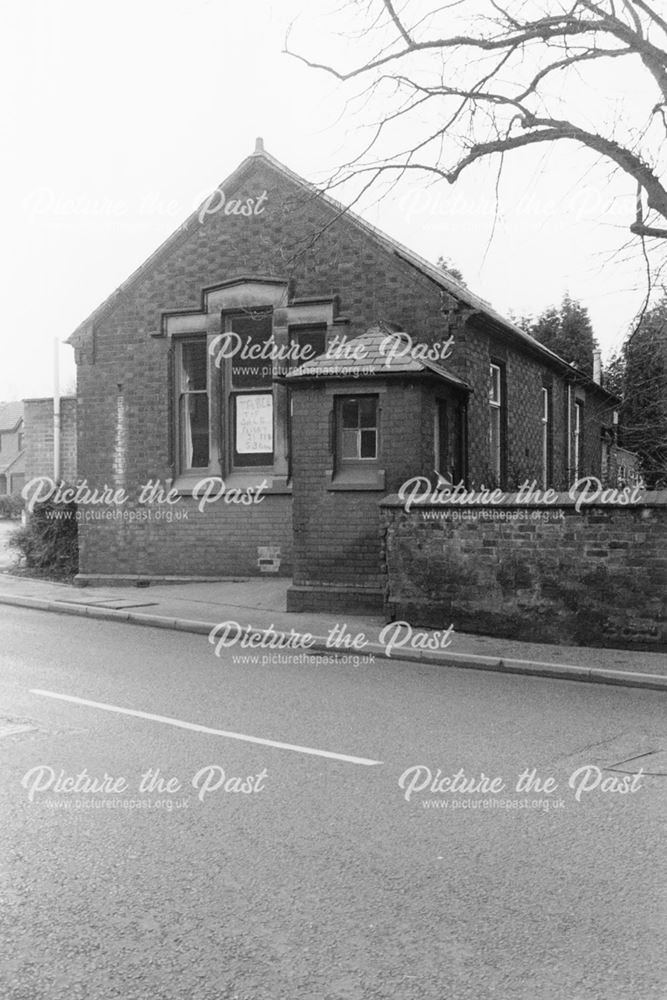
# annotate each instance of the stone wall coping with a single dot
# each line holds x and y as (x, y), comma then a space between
(49, 399)
(649, 498)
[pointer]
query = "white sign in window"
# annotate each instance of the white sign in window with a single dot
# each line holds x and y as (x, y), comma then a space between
(254, 424)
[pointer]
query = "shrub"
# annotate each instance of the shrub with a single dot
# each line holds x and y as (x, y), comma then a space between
(49, 541)
(11, 505)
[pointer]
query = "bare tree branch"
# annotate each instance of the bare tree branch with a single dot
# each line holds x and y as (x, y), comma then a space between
(660, 21)
(641, 230)
(479, 111)
(395, 18)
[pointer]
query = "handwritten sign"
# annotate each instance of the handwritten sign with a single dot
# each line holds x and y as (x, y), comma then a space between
(254, 424)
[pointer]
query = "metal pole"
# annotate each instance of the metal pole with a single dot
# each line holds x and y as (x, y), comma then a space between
(56, 410)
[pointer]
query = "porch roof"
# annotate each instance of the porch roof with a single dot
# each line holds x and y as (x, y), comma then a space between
(377, 353)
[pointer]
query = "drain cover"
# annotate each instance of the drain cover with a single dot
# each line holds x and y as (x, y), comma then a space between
(114, 604)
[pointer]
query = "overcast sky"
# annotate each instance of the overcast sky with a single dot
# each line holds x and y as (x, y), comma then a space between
(118, 118)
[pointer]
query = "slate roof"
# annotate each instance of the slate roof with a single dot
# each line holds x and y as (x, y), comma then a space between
(12, 461)
(11, 415)
(367, 359)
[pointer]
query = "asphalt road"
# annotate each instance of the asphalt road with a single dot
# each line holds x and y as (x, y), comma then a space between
(324, 883)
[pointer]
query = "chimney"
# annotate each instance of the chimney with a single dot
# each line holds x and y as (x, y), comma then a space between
(597, 366)
(259, 146)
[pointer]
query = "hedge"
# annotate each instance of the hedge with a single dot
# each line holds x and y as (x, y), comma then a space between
(11, 505)
(49, 540)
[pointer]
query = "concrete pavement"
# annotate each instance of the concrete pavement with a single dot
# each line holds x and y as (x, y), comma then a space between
(260, 603)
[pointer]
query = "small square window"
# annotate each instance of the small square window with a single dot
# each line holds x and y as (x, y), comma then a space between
(357, 439)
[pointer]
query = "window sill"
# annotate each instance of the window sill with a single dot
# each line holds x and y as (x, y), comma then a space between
(273, 485)
(356, 479)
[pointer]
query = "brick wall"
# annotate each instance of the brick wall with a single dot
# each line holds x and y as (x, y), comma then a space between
(38, 439)
(159, 540)
(598, 577)
(336, 544)
(526, 374)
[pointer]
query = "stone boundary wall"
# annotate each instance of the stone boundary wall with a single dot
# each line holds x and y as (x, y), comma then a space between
(544, 573)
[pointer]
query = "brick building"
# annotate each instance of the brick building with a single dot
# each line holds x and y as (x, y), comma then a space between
(12, 457)
(39, 433)
(243, 370)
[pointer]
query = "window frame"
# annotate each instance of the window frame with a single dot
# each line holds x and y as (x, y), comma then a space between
(345, 462)
(261, 464)
(355, 475)
(449, 422)
(578, 438)
(179, 343)
(547, 435)
(246, 293)
(497, 413)
(230, 393)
